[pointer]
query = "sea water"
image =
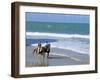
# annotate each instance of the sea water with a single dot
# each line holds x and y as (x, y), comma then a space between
(72, 36)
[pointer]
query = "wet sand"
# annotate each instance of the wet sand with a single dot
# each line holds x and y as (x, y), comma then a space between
(57, 57)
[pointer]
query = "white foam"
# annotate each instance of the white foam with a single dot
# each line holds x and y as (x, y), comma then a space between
(57, 35)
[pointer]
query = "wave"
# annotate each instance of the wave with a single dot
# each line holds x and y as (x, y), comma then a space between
(57, 35)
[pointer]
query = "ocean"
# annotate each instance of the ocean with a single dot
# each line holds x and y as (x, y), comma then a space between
(66, 28)
(72, 36)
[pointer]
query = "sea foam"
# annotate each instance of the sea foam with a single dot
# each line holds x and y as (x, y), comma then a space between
(57, 35)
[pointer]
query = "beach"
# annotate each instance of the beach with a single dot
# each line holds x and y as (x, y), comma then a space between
(68, 35)
(57, 57)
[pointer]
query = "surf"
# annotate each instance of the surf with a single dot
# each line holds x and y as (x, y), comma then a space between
(32, 34)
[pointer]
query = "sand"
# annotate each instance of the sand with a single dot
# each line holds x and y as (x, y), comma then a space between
(58, 57)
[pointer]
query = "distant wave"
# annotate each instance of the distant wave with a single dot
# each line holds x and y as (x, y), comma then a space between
(57, 35)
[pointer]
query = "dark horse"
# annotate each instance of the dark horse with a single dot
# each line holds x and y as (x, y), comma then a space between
(48, 49)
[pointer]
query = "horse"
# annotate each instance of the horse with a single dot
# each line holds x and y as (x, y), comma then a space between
(44, 49)
(47, 49)
(40, 55)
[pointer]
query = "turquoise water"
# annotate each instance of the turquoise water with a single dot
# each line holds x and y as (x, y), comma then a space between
(66, 28)
(76, 35)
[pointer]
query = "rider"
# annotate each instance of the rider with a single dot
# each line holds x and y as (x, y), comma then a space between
(48, 48)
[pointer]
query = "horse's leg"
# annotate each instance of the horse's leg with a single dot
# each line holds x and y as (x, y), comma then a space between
(45, 62)
(47, 54)
(43, 59)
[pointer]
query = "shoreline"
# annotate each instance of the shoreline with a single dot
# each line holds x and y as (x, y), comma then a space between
(58, 57)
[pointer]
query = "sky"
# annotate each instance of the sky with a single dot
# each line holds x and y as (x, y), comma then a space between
(58, 18)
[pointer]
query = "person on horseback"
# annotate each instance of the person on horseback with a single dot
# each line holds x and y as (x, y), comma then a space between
(47, 48)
